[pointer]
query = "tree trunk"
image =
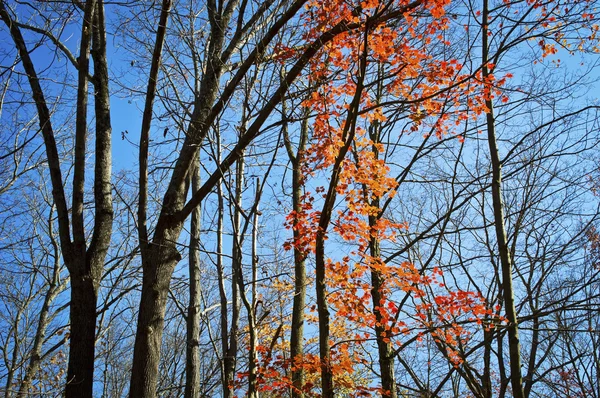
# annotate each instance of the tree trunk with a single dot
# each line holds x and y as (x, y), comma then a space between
(221, 279)
(80, 369)
(160, 255)
(153, 304)
(252, 358)
(320, 261)
(297, 336)
(347, 135)
(299, 302)
(514, 345)
(384, 345)
(236, 269)
(386, 354)
(239, 275)
(323, 312)
(86, 272)
(192, 365)
(83, 337)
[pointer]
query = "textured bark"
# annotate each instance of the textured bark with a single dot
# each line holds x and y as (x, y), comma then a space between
(103, 214)
(514, 345)
(87, 272)
(154, 292)
(79, 244)
(82, 319)
(80, 368)
(153, 302)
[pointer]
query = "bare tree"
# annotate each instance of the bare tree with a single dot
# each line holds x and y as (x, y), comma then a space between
(84, 258)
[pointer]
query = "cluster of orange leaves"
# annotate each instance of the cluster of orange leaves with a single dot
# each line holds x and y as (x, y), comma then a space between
(273, 373)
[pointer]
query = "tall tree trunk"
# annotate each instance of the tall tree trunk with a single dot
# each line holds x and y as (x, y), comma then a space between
(252, 358)
(87, 272)
(192, 364)
(299, 302)
(146, 124)
(221, 280)
(80, 369)
(323, 312)
(250, 304)
(320, 259)
(514, 345)
(228, 335)
(158, 261)
(384, 346)
(236, 269)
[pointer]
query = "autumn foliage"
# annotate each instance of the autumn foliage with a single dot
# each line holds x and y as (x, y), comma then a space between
(384, 54)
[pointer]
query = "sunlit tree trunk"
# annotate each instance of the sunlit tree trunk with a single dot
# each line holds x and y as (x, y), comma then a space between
(299, 302)
(514, 345)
